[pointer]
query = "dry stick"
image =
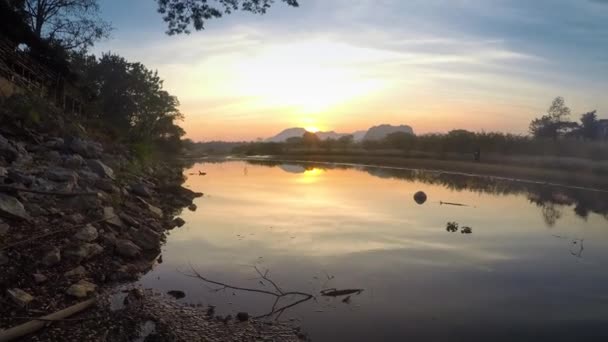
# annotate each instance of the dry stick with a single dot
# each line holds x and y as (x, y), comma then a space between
(5, 188)
(35, 325)
(279, 294)
(40, 236)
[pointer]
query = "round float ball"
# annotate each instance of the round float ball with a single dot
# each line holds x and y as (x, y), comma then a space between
(420, 197)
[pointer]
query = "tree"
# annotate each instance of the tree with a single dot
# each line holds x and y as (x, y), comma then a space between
(72, 24)
(590, 126)
(400, 140)
(310, 139)
(180, 15)
(555, 123)
(346, 140)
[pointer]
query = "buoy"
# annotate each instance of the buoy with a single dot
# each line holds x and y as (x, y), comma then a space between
(420, 197)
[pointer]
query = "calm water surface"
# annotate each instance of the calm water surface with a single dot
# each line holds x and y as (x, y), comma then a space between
(535, 267)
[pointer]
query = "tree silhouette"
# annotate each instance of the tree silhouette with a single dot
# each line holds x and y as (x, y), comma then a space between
(555, 123)
(590, 126)
(181, 15)
(71, 24)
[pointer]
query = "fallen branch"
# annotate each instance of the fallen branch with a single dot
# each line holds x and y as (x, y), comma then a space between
(37, 324)
(40, 236)
(453, 204)
(13, 189)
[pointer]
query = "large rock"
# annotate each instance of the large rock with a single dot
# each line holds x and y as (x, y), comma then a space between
(83, 251)
(20, 177)
(127, 248)
(59, 174)
(4, 228)
(3, 172)
(11, 208)
(101, 169)
(88, 233)
(51, 258)
(81, 289)
(110, 217)
(87, 149)
(146, 238)
(73, 161)
(141, 190)
(20, 297)
(54, 143)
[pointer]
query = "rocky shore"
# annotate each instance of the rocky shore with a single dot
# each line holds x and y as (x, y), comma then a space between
(75, 222)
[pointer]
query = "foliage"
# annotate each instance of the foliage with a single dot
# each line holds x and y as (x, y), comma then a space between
(590, 126)
(71, 24)
(555, 123)
(130, 100)
(180, 15)
(310, 139)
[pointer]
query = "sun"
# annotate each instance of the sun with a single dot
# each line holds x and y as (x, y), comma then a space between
(312, 129)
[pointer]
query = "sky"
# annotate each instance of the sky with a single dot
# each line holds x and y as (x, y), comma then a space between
(347, 65)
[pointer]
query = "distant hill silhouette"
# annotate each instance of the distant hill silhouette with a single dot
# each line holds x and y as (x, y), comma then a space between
(374, 133)
(380, 132)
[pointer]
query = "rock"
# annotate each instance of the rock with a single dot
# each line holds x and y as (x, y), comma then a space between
(154, 210)
(179, 222)
(466, 230)
(87, 149)
(127, 248)
(177, 294)
(88, 233)
(20, 297)
(101, 169)
(3, 259)
(59, 174)
(54, 143)
(76, 272)
(145, 238)
(3, 172)
(81, 289)
(52, 156)
(20, 177)
(110, 217)
(51, 258)
(73, 161)
(106, 185)
(4, 228)
(84, 251)
(192, 207)
(39, 278)
(82, 203)
(129, 220)
(87, 177)
(242, 316)
(10, 207)
(75, 218)
(420, 197)
(141, 190)
(7, 150)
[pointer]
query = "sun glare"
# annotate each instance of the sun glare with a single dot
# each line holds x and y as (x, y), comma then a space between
(312, 129)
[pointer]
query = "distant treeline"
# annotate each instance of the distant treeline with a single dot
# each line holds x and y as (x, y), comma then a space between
(551, 135)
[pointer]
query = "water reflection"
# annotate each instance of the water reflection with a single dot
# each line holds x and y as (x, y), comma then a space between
(319, 227)
(550, 199)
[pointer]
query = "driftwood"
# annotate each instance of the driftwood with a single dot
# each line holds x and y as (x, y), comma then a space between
(13, 189)
(453, 204)
(40, 236)
(339, 293)
(37, 324)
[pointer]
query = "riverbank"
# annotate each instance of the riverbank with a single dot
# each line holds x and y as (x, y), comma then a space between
(76, 221)
(588, 176)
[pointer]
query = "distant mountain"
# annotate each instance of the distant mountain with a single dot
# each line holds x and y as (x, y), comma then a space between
(380, 132)
(286, 134)
(299, 132)
(374, 133)
(359, 135)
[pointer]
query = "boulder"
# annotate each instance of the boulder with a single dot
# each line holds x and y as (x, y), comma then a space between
(87, 149)
(59, 174)
(11, 208)
(127, 248)
(179, 222)
(79, 271)
(101, 169)
(7, 150)
(81, 289)
(83, 251)
(192, 207)
(20, 297)
(54, 143)
(73, 161)
(242, 316)
(3, 172)
(106, 185)
(141, 190)
(4, 228)
(53, 257)
(145, 238)
(129, 220)
(110, 217)
(52, 156)
(20, 177)
(88, 233)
